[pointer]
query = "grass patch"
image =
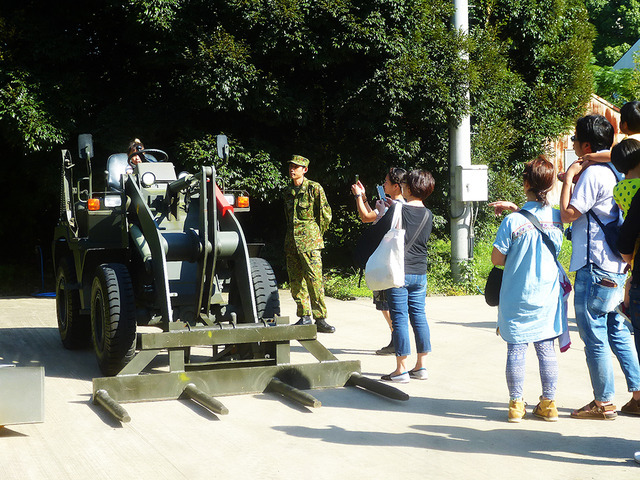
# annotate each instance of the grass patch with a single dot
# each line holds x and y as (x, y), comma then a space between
(343, 285)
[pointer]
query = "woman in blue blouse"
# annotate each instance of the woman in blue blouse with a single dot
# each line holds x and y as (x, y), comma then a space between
(531, 304)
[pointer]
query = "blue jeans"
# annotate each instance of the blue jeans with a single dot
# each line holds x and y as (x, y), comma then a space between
(408, 304)
(597, 293)
(634, 312)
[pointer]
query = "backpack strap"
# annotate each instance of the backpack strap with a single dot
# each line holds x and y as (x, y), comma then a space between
(593, 214)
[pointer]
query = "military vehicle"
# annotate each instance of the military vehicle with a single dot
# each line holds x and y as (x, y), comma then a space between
(154, 267)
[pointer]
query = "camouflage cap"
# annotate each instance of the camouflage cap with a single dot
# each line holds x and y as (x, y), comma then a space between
(299, 160)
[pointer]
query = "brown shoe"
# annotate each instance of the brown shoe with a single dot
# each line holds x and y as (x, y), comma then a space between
(546, 410)
(593, 411)
(632, 407)
(516, 411)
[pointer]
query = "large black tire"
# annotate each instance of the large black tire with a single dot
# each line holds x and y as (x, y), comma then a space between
(265, 288)
(74, 328)
(113, 319)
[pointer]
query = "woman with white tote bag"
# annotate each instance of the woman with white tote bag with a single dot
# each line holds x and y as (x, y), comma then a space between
(407, 301)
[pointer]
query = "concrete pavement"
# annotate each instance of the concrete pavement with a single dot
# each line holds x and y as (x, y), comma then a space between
(454, 425)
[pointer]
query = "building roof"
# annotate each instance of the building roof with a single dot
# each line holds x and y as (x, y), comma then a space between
(627, 59)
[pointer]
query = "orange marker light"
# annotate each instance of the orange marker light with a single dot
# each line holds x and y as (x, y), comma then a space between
(93, 204)
(242, 202)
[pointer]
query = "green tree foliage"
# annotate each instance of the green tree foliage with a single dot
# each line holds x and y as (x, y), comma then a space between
(618, 26)
(532, 76)
(618, 86)
(530, 81)
(355, 85)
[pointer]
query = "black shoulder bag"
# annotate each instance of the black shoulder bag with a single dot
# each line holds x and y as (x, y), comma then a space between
(492, 287)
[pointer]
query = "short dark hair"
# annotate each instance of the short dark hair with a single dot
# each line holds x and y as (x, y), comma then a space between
(420, 183)
(133, 146)
(626, 155)
(539, 174)
(397, 175)
(630, 114)
(596, 130)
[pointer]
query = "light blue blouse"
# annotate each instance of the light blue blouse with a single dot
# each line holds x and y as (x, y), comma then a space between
(531, 305)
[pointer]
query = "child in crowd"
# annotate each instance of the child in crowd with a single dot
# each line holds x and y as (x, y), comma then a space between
(625, 156)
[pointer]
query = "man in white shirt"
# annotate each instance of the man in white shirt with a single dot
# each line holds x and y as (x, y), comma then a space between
(599, 270)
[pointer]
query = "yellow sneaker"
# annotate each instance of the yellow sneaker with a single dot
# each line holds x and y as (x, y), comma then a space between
(546, 410)
(516, 410)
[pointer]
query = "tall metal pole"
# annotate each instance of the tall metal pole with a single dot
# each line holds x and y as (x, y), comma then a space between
(460, 156)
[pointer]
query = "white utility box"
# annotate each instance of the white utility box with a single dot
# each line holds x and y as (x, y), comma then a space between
(473, 183)
(21, 395)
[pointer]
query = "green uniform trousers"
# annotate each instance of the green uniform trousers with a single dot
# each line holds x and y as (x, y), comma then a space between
(305, 278)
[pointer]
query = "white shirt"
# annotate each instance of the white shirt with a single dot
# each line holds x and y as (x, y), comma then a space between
(594, 190)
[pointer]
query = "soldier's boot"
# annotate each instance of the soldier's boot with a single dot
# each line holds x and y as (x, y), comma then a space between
(323, 326)
(304, 320)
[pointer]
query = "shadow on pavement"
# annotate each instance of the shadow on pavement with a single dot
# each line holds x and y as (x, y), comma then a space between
(515, 441)
(41, 346)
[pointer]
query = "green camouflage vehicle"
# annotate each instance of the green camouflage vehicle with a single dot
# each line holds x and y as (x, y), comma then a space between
(156, 249)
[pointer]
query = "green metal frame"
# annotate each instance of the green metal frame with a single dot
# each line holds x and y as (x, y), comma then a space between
(132, 384)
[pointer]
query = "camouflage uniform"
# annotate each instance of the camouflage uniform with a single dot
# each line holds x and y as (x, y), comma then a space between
(308, 216)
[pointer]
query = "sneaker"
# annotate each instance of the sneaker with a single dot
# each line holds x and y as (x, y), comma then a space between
(516, 411)
(632, 407)
(636, 457)
(546, 410)
(593, 411)
(622, 310)
(419, 374)
(400, 378)
(388, 350)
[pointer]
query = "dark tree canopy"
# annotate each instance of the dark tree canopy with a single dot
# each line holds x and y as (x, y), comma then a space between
(355, 85)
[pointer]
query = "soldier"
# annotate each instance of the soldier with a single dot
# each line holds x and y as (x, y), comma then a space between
(308, 217)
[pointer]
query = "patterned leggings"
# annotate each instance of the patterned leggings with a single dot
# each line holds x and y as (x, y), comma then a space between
(548, 364)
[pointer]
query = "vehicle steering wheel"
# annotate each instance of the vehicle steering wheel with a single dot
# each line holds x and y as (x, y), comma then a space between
(162, 155)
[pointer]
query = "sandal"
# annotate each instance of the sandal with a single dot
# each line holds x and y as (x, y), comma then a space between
(593, 411)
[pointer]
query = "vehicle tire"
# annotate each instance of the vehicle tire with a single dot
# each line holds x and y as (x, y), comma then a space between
(74, 328)
(265, 288)
(113, 318)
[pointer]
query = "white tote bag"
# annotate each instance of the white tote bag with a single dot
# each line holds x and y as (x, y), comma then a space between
(385, 267)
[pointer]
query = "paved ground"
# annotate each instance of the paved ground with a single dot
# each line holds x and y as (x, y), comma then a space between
(454, 425)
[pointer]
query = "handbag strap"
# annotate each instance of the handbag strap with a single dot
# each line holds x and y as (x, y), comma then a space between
(396, 221)
(545, 238)
(415, 235)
